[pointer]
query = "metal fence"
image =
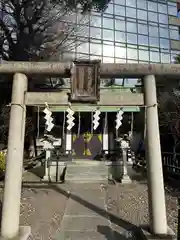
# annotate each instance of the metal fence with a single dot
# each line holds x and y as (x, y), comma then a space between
(171, 162)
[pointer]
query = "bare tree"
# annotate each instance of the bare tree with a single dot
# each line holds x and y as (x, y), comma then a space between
(169, 115)
(40, 29)
(35, 30)
(4, 120)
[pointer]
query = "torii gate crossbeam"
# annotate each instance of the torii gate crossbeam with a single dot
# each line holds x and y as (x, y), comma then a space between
(107, 70)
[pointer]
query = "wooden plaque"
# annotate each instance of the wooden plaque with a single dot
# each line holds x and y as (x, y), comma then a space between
(85, 81)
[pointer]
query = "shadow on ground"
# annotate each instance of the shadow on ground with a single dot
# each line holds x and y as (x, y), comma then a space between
(109, 234)
(38, 171)
(171, 182)
(172, 187)
(137, 174)
(135, 231)
(129, 228)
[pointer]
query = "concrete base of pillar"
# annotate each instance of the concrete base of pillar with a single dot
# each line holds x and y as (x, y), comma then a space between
(52, 171)
(148, 235)
(126, 179)
(24, 233)
(130, 162)
(45, 178)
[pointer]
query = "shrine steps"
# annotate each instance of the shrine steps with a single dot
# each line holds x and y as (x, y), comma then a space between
(84, 171)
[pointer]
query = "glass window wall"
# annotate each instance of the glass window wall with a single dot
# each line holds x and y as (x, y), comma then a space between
(131, 3)
(128, 30)
(142, 4)
(119, 10)
(152, 6)
(131, 12)
(131, 27)
(120, 25)
(132, 53)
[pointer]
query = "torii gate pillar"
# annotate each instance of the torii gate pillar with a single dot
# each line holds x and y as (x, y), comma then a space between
(14, 162)
(157, 207)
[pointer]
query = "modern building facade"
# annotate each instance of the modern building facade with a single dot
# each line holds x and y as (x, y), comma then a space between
(129, 31)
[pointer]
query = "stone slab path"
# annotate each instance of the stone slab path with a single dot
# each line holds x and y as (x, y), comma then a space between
(86, 216)
(88, 211)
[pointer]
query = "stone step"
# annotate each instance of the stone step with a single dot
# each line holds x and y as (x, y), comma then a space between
(86, 171)
(88, 235)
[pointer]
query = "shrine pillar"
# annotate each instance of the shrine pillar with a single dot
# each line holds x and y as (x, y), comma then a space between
(105, 142)
(68, 141)
(111, 141)
(14, 162)
(157, 208)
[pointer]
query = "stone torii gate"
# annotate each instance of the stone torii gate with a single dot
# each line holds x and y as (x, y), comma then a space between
(12, 188)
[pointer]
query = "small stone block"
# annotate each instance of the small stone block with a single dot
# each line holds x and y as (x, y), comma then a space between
(24, 234)
(126, 179)
(148, 235)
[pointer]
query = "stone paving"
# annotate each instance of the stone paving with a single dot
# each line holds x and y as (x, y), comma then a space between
(88, 211)
(94, 211)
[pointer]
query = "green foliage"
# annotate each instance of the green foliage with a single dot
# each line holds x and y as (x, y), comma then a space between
(177, 58)
(2, 160)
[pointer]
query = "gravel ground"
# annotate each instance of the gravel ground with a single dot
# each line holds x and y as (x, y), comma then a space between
(131, 204)
(43, 207)
(172, 208)
(43, 210)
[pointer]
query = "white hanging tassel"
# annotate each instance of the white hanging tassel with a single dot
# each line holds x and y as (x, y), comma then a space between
(70, 118)
(48, 118)
(96, 119)
(119, 119)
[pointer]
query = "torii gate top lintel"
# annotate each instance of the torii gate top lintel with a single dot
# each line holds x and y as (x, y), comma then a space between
(107, 70)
